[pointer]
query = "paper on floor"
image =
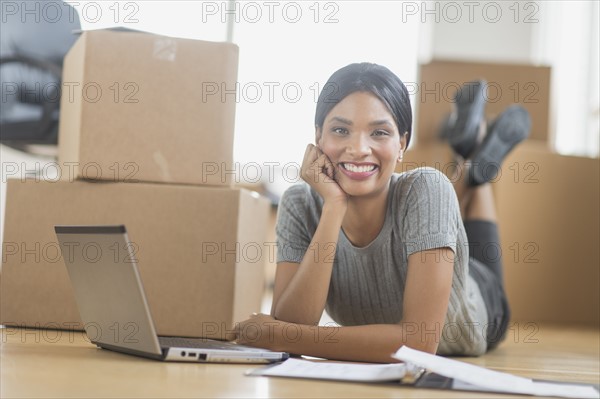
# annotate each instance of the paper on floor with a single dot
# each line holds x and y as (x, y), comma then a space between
(479, 377)
(335, 371)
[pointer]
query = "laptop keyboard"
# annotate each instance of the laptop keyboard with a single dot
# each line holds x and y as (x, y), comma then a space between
(179, 342)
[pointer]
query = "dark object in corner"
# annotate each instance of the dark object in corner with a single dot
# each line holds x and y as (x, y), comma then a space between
(32, 47)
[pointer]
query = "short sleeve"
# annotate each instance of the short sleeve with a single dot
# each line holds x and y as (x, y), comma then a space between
(293, 236)
(432, 214)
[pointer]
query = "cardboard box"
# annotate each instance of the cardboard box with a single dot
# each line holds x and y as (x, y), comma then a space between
(548, 217)
(142, 107)
(507, 84)
(201, 251)
(550, 234)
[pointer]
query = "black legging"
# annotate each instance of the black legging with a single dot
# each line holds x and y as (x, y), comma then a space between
(485, 266)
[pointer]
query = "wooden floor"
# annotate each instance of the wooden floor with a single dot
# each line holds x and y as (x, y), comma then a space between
(44, 363)
(34, 364)
(553, 352)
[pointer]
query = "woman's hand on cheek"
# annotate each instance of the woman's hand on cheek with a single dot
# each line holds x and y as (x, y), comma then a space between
(319, 172)
(261, 331)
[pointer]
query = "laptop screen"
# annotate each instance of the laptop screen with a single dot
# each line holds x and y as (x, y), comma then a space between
(107, 287)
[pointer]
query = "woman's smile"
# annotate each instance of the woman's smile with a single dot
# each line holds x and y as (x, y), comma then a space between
(358, 170)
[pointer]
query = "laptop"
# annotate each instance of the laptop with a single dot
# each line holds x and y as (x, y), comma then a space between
(113, 306)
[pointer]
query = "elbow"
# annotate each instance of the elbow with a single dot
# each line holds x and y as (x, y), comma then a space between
(288, 317)
(421, 336)
(277, 314)
(431, 348)
(296, 320)
(428, 347)
(428, 344)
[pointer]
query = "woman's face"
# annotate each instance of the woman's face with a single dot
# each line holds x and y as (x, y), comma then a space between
(362, 141)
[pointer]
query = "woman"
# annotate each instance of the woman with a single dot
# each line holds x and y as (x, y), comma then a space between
(387, 254)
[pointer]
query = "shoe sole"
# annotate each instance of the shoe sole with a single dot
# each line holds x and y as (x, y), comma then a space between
(511, 127)
(470, 106)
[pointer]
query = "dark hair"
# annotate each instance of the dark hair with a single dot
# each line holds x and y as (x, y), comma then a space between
(372, 78)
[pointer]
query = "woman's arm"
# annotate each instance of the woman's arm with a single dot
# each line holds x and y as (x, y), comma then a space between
(300, 290)
(426, 296)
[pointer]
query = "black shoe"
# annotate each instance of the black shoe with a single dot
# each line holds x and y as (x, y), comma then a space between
(508, 130)
(462, 128)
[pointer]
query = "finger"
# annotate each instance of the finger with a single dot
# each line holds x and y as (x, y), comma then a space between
(310, 169)
(325, 166)
(329, 167)
(319, 151)
(309, 155)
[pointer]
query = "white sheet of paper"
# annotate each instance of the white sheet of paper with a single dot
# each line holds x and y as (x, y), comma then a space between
(335, 371)
(541, 389)
(475, 376)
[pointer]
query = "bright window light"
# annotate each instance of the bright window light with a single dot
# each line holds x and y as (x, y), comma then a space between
(285, 61)
(568, 42)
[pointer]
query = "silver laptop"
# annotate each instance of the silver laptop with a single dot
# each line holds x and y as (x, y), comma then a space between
(114, 309)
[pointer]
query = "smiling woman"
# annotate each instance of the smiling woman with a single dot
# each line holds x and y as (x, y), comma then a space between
(387, 255)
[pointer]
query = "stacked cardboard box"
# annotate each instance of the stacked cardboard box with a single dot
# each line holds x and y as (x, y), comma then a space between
(547, 203)
(138, 111)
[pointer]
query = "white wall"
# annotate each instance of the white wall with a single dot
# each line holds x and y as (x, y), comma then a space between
(483, 31)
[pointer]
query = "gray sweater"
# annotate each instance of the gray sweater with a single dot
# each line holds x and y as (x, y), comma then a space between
(367, 284)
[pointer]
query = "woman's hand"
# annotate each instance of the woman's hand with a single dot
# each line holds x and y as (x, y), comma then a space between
(318, 171)
(261, 331)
